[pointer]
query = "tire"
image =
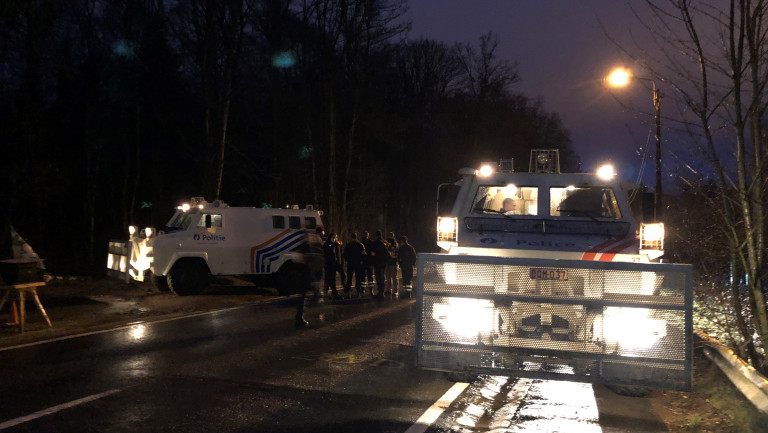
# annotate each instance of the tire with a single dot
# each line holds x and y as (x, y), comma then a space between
(460, 377)
(291, 278)
(159, 282)
(188, 277)
(630, 390)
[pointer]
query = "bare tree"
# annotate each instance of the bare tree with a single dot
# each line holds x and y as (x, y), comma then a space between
(212, 31)
(350, 36)
(714, 60)
(485, 76)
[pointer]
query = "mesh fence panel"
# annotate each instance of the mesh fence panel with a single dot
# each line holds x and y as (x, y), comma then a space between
(611, 322)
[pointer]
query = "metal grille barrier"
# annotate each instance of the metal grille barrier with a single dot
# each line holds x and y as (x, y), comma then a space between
(608, 322)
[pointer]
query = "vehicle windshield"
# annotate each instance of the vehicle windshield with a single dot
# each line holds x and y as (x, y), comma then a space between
(180, 221)
(591, 202)
(506, 200)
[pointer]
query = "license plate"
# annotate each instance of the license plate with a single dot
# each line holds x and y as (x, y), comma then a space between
(549, 274)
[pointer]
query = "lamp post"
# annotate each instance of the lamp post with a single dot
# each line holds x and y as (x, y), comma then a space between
(620, 77)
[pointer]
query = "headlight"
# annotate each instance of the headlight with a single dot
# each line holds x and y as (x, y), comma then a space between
(631, 328)
(447, 228)
(652, 236)
(606, 172)
(486, 169)
(131, 230)
(466, 318)
(148, 231)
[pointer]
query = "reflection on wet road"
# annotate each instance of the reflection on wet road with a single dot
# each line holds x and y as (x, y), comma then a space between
(248, 370)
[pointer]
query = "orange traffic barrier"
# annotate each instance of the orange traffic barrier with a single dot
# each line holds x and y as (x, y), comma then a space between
(14, 315)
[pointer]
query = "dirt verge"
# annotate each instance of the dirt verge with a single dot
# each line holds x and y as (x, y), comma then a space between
(84, 305)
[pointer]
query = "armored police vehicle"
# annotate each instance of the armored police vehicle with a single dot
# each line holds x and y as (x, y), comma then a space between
(203, 239)
(547, 274)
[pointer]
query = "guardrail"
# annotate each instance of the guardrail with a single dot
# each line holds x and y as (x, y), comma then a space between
(752, 384)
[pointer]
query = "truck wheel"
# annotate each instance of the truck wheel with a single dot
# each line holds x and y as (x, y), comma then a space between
(630, 390)
(159, 282)
(188, 277)
(290, 278)
(460, 377)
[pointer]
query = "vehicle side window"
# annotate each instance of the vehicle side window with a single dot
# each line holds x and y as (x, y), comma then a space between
(506, 200)
(210, 220)
(591, 202)
(278, 222)
(294, 222)
(310, 223)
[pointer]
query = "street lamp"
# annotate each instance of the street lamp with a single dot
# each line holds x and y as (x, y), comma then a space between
(620, 77)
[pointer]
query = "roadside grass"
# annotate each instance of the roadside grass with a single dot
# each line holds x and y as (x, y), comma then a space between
(723, 396)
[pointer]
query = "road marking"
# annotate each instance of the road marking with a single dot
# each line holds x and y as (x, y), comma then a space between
(431, 415)
(54, 409)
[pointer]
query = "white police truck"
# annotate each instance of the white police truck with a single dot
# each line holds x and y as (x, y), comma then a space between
(203, 239)
(546, 274)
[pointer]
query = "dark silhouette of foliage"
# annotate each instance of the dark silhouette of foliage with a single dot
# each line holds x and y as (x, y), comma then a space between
(112, 112)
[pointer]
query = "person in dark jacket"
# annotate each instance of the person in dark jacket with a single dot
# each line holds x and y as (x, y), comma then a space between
(368, 261)
(354, 256)
(308, 271)
(380, 257)
(390, 273)
(333, 264)
(407, 258)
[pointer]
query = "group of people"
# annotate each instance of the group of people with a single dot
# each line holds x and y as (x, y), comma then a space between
(363, 260)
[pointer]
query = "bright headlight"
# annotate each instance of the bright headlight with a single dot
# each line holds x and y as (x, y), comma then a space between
(446, 229)
(632, 328)
(606, 172)
(464, 317)
(148, 231)
(486, 170)
(131, 230)
(652, 236)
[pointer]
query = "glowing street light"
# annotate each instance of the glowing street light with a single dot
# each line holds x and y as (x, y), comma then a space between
(620, 77)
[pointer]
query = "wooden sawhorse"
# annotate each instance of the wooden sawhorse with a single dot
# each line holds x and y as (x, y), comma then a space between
(22, 289)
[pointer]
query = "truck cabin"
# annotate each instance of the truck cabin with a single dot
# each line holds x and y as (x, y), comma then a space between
(546, 203)
(495, 199)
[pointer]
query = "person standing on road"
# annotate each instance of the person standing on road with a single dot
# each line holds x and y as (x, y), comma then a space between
(368, 261)
(309, 272)
(407, 257)
(354, 256)
(390, 273)
(380, 256)
(333, 264)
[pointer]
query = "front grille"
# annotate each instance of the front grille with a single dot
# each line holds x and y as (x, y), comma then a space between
(608, 322)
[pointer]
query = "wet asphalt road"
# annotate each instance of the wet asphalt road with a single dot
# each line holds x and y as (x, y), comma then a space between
(241, 370)
(247, 370)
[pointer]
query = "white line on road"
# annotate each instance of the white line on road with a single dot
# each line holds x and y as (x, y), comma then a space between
(431, 415)
(54, 409)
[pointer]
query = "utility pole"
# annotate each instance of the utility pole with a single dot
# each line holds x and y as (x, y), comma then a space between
(658, 207)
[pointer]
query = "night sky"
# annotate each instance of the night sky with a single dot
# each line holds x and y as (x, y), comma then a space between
(562, 54)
